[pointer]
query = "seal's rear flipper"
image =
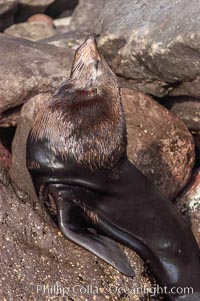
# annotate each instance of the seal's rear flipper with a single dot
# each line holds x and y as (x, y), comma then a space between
(73, 224)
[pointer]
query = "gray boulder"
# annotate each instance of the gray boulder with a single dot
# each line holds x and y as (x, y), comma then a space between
(154, 45)
(28, 69)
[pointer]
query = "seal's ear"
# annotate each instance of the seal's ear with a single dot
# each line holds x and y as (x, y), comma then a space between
(74, 226)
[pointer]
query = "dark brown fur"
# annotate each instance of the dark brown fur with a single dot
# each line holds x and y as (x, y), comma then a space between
(80, 114)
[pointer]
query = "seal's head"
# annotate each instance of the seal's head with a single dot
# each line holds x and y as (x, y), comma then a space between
(90, 70)
(84, 121)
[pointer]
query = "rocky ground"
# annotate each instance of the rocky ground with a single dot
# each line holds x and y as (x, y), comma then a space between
(154, 48)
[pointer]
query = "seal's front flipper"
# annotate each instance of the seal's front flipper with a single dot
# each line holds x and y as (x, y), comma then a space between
(74, 225)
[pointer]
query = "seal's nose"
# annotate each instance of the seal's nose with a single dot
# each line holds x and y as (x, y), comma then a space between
(91, 38)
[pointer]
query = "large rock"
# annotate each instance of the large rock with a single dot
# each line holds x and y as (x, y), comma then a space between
(189, 203)
(31, 70)
(8, 9)
(35, 258)
(158, 143)
(33, 31)
(156, 46)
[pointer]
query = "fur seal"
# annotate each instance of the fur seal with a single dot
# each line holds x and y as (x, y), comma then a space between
(76, 155)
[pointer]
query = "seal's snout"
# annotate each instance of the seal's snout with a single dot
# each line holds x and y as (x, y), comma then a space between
(90, 46)
(86, 59)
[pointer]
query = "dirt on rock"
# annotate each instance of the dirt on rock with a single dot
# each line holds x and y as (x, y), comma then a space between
(38, 263)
